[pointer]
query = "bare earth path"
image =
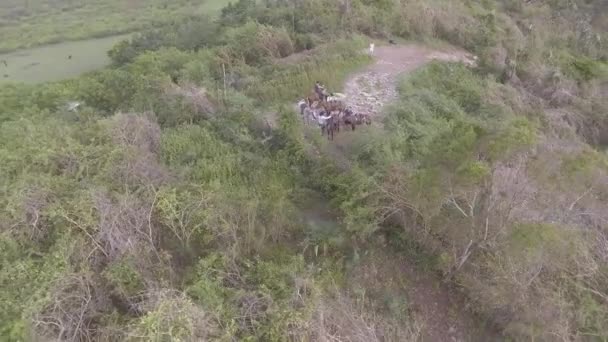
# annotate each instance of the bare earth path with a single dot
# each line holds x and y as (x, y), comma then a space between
(369, 90)
(438, 307)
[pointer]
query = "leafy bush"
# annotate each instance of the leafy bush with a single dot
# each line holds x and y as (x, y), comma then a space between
(256, 43)
(188, 34)
(587, 69)
(170, 315)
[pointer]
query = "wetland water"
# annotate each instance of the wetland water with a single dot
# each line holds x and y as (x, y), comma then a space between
(52, 62)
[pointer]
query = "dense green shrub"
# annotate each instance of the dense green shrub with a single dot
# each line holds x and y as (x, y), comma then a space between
(188, 34)
(173, 205)
(255, 43)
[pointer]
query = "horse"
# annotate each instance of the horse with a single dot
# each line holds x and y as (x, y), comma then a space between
(318, 87)
(327, 124)
(309, 115)
(324, 95)
(333, 126)
(322, 118)
(320, 91)
(350, 119)
(333, 106)
(302, 105)
(312, 98)
(335, 123)
(363, 118)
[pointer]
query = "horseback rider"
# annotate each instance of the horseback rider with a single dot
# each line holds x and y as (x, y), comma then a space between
(318, 87)
(320, 91)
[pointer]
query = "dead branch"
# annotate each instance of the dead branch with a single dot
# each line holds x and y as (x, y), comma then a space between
(72, 310)
(85, 231)
(579, 198)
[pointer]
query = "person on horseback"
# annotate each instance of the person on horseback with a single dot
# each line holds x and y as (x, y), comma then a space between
(317, 87)
(320, 91)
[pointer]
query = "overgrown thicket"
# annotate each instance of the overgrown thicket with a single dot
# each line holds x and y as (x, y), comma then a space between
(467, 172)
(169, 206)
(499, 173)
(165, 207)
(159, 211)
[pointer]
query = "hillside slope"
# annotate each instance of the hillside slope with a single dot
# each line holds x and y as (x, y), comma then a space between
(167, 207)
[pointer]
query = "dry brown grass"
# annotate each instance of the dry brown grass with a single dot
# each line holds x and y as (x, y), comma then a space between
(195, 96)
(338, 318)
(139, 137)
(134, 130)
(75, 307)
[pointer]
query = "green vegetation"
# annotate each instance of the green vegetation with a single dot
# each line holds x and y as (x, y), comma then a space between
(478, 173)
(181, 200)
(36, 22)
(86, 32)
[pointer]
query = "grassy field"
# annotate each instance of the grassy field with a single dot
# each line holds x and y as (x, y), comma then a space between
(51, 62)
(30, 23)
(38, 36)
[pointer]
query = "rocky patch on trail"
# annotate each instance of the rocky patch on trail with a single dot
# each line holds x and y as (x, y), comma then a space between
(368, 92)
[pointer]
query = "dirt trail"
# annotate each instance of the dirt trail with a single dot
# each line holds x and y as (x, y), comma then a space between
(369, 90)
(441, 310)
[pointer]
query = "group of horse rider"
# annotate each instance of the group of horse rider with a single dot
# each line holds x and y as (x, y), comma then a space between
(329, 111)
